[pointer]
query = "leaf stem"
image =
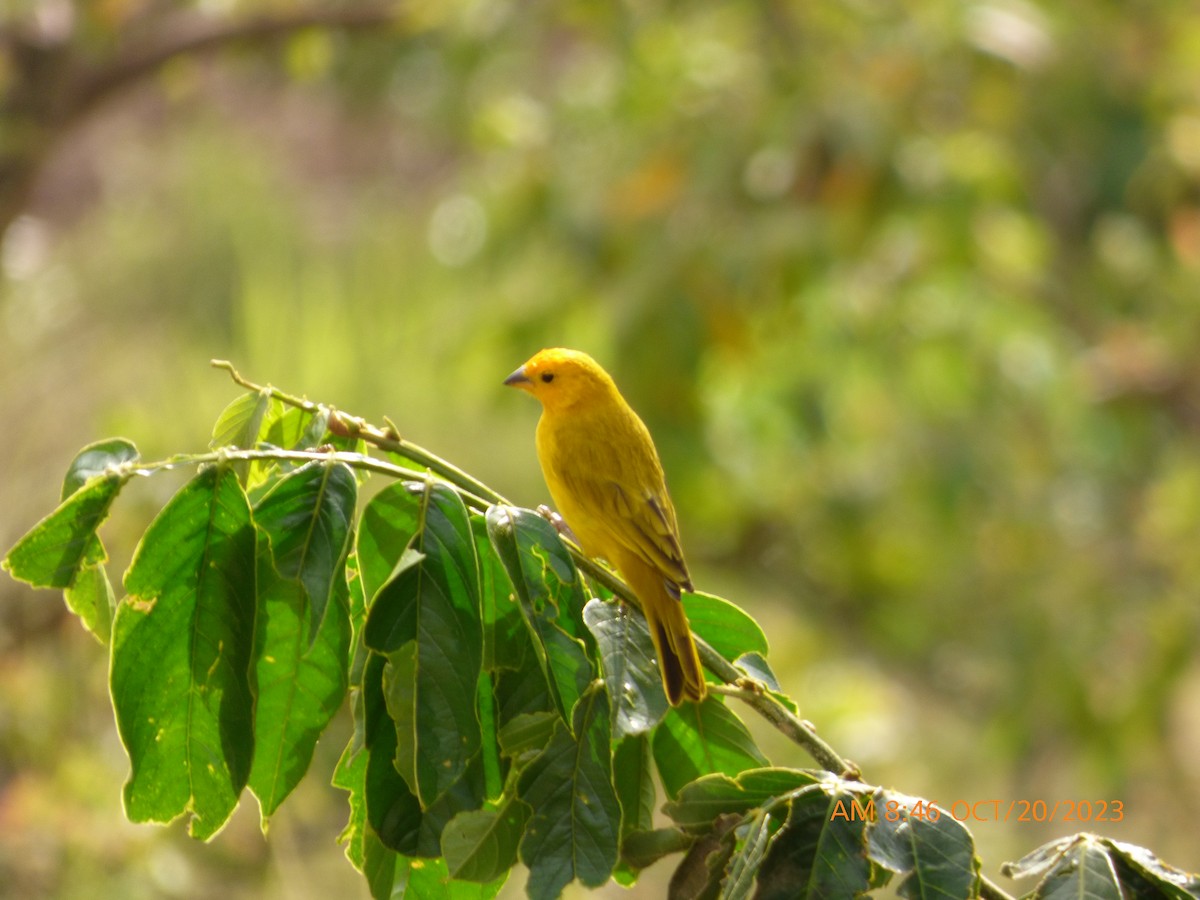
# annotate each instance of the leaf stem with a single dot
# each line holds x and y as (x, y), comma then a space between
(234, 454)
(385, 439)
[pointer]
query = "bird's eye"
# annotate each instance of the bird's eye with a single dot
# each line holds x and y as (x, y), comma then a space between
(547, 377)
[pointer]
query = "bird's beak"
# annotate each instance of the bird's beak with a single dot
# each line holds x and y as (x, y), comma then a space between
(517, 378)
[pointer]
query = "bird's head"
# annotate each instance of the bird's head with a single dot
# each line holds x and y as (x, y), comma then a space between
(562, 378)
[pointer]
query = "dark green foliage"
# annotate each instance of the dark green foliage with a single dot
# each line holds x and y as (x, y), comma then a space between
(502, 710)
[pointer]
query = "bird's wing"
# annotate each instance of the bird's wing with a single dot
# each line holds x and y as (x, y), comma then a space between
(645, 523)
(613, 493)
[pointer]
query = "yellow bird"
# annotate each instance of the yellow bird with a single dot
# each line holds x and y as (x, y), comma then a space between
(607, 482)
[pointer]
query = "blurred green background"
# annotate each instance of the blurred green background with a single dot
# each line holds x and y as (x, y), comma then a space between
(909, 294)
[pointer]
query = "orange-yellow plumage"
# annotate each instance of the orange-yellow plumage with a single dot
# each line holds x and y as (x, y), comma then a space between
(603, 472)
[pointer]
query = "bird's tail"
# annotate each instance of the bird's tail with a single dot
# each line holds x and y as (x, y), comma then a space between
(678, 661)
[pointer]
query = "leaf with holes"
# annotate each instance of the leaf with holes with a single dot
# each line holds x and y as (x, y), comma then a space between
(544, 578)
(183, 642)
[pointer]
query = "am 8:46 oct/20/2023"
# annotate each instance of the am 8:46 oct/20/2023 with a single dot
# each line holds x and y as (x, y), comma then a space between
(984, 810)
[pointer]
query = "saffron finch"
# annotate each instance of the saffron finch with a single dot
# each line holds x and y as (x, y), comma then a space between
(604, 474)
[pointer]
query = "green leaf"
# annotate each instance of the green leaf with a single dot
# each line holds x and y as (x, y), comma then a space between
(466, 795)
(297, 429)
(574, 830)
(301, 681)
(700, 803)
(431, 881)
(351, 776)
(291, 429)
(481, 845)
(544, 578)
(91, 598)
(528, 731)
(392, 810)
(634, 783)
(489, 732)
(525, 712)
(386, 528)
(240, 423)
(820, 853)
(182, 646)
(506, 640)
(301, 654)
(64, 551)
(308, 514)
(1086, 865)
(347, 444)
(701, 738)
(400, 694)
(745, 862)
(698, 876)
(633, 780)
(392, 623)
(385, 816)
(566, 665)
(755, 665)
(395, 877)
(436, 604)
(1083, 868)
(55, 550)
(630, 672)
(358, 613)
(386, 871)
(545, 563)
(523, 690)
(95, 460)
(933, 852)
(727, 628)
(1042, 860)
(1136, 863)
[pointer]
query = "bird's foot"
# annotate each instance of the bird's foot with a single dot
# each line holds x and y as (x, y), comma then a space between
(559, 523)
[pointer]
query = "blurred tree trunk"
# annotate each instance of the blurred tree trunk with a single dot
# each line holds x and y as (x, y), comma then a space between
(49, 84)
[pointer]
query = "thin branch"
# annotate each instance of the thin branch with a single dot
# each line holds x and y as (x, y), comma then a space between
(54, 83)
(235, 454)
(201, 35)
(388, 440)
